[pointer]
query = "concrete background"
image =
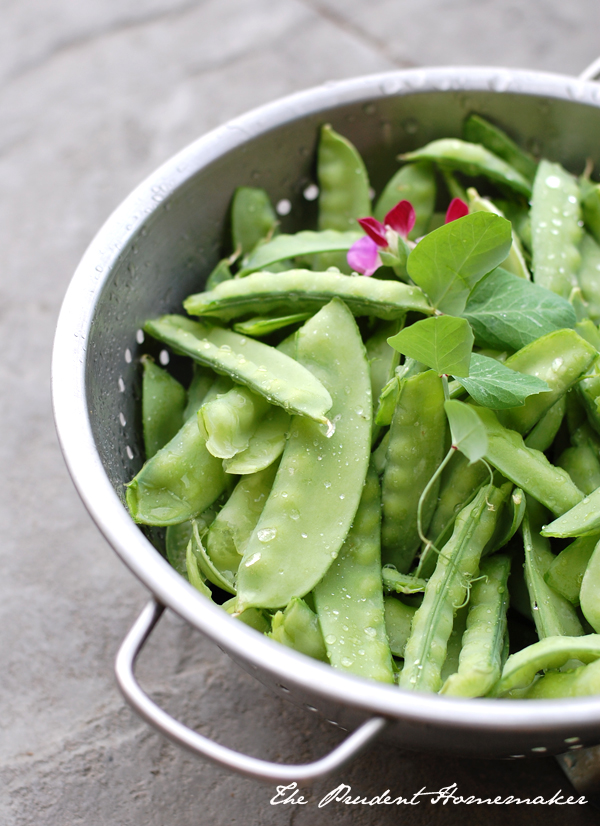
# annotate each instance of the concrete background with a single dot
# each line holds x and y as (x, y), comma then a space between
(94, 95)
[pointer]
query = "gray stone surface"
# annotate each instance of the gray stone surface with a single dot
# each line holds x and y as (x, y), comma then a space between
(94, 96)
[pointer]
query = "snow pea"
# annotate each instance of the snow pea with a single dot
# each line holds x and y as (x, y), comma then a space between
(393, 580)
(509, 519)
(263, 369)
(589, 595)
(252, 218)
(454, 646)
(398, 620)
(558, 358)
(194, 575)
(479, 130)
(552, 652)
(163, 402)
(383, 359)
(555, 229)
(177, 537)
(300, 245)
(349, 598)
(580, 682)
(588, 275)
(265, 446)
(224, 577)
(231, 420)
(343, 183)
(298, 628)
(480, 659)
(202, 381)
(473, 160)
(590, 205)
(446, 590)
(380, 452)
(582, 465)
(565, 574)
(313, 501)
(307, 291)
(260, 326)
(416, 449)
(222, 272)
(254, 617)
(583, 519)
(542, 435)
(414, 182)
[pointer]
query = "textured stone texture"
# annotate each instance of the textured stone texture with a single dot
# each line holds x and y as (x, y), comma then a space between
(94, 96)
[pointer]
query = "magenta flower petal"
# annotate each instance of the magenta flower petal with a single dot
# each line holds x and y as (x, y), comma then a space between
(363, 256)
(401, 218)
(375, 230)
(457, 209)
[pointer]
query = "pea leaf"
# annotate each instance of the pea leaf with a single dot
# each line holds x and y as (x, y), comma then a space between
(467, 430)
(491, 384)
(448, 262)
(443, 343)
(507, 311)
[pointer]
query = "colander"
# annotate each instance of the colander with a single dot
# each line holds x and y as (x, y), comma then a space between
(158, 247)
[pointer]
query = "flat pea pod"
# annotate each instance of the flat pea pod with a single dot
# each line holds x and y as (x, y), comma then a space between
(542, 435)
(223, 578)
(263, 369)
(399, 583)
(552, 652)
(566, 572)
(343, 183)
(298, 628)
(320, 480)
(415, 451)
(177, 483)
(581, 520)
(349, 598)
(252, 218)
(588, 330)
(177, 538)
(163, 402)
(414, 182)
(589, 393)
(590, 205)
(588, 275)
(473, 160)
(479, 130)
(229, 533)
(480, 659)
(589, 596)
(298, 291)
(558, 358)
(387, 401)
(221, 272)
(582, 465)
(446, 590)
(260, 326)
(265, 445)
(528, 469)
(253, 617)
(380, 452)
(581, 682)
(398, 620)
(454, 646)
(552, 613)
(194, 574)
(202, 381)
(509, 520)
(383, 359)
(301, 244)
(515, 260)
(231, 420)
(555, 229)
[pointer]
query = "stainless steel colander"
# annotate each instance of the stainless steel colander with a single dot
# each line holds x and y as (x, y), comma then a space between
(158, 247)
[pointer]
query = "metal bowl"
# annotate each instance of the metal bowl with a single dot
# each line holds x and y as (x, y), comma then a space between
(158, 247)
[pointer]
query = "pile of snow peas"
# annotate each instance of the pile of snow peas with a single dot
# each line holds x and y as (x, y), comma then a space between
(386, 452)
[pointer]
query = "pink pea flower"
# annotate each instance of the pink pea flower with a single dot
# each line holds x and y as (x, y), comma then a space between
(457, 209)
(363, 255)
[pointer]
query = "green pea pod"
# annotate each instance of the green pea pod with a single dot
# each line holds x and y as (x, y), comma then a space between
(446, 590)
(478, 130)
(415, 183)
(298, 628)
(471, 159)
(393, 580)
(515, 260)
(349, 598)
(553, 614)
(589, 595)
(343, 183)
(565, 574)
(590, 206)
(231, 420)
(163, 402)
(300, 245)
(416, 449)
(202, 381)
(558, 358)
(265, 446)
(194, 574)
(383, 359)
(581, 520)
(221, 272)
(179, 482)
(542, 435)
(254, 617)
(528, 469)
(223, 578)
(582, 465)
(398, 620)
(177, 537)
(555, 229)
(387, 401)
(454, 646)
(252, 218)
(588, 330)
(263, 369)
(552, 652)
(298, 291)
(380, 452)
(480, 660)
(509, 520)
(581, 682)
(315, 496)
(260, 326)
(588, 276)
(455, 189)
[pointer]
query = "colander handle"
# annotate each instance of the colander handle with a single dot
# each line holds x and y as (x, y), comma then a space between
(198, 744)
(591, 72)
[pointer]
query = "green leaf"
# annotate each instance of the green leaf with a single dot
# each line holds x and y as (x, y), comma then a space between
(448, 262)
(491, 384)
(467, 430)
(443, 343)
(301, 244)
(506, 311)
